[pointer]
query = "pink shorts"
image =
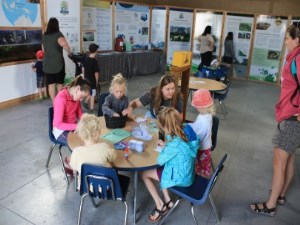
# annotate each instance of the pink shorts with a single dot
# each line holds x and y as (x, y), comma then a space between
(203, 163)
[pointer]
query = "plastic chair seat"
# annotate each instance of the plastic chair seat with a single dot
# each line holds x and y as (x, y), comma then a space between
(198, 192)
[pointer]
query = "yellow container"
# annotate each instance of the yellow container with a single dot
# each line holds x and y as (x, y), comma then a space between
(181, 58)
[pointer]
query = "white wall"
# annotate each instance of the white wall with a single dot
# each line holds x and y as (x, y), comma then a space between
(16, 81)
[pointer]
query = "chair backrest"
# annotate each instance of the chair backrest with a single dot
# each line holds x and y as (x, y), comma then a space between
(223, 95)
(100, 102)
(199, 191)
(215, 175)
(214, 132)
(100, 182)
(50, 124)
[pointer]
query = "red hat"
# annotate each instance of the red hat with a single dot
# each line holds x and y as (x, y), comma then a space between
(202, 99)
(39, 54)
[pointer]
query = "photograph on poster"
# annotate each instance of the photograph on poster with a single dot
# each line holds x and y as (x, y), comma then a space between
(181, 34)
(273, 55)
(245, 27)
(262, 26)
(33, 1)
(144, 30)
(88, 36)
(16, 45)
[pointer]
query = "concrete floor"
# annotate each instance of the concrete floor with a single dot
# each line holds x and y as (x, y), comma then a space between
(32, 194)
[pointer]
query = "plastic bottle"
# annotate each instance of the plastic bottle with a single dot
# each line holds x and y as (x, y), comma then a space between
(126, 153)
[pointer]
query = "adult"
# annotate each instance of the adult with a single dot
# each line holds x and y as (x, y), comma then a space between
(287, 136)
(206, 47)
(164, 94)
(67, 107)
(53, 43)
(229, 54)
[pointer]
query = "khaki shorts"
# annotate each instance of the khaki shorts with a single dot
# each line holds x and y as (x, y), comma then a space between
(287, 136)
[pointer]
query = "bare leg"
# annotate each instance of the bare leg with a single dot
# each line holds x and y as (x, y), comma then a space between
(289, 173)
(51, 89)
(148, 177)
(279, 171)
(59, 87)
(92, 102)
(278, 182)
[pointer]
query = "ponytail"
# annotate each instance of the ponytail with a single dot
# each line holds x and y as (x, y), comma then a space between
(84, 84)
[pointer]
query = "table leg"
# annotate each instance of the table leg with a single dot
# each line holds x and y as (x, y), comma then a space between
(135, 196)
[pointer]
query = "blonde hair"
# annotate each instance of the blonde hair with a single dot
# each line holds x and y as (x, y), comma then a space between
(89, 127)
(207, 110)
(169, 120)
(119, 80)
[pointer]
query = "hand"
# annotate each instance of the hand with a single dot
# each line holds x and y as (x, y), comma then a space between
(160, 143)
(125, 112)
(116, 115)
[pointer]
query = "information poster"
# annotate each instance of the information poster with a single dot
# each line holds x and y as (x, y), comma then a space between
(180, 31)
(97, 24)
(68, 14)
(204, 19)
(269, 38)
(132, 23)
(158, 28)
(20, 13)
(241, 26)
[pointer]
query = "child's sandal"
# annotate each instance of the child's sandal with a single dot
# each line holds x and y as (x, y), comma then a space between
(281, 200)
(157, 212)
(264, 210)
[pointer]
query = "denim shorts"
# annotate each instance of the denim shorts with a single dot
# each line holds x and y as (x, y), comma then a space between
(287, 136)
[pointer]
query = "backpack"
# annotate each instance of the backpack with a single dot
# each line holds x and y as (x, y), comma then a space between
(294, 74)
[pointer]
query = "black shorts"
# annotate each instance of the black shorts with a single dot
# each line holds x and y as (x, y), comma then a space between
(56, 78)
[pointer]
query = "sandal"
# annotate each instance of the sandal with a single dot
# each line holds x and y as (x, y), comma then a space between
(281, 200)
(159, 214)
(168, 205)
(263, 211)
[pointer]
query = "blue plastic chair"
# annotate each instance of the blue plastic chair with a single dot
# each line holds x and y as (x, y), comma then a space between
(198, 192)
(221, 96)
(102, 183)
(54, 143)
(100, 102)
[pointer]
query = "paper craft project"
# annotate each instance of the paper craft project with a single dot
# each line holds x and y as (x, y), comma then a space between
(116, 135)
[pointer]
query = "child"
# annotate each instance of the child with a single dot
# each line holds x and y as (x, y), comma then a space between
(91, 72)
(177, 158)
(116, 102)
(93, 151)
(203, 102)
(40, 75)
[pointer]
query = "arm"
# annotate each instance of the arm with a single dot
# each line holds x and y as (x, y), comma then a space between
(166, 154)
(111, 154)
(97, 75)
(136, 103)
(212, 42)
(59, 105)
(106, 107)
(64, 44)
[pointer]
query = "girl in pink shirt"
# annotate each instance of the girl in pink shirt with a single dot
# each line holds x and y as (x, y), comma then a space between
(67, 107)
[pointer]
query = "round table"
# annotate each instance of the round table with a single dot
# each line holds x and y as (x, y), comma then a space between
(196, 83)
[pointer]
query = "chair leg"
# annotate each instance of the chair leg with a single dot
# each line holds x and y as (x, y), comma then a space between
(126, 212)
(63, 165)
(80, 208)
(193, 214)
(170, 211)
(223, 109)
(50, 154)
(214, 208)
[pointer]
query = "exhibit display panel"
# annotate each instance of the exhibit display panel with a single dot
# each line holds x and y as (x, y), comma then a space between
(268, 42)
(97, 24)
(158, 27)
(241, 26)
(179, 31)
